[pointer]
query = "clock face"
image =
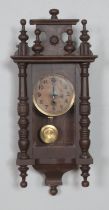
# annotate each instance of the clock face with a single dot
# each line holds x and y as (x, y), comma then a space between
(53, 95)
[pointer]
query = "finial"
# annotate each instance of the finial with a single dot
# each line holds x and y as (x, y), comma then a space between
(69, 47)
(85, 45)
(84, 37)
(23, 37)
(54, 13)
(84, 22)
(23, 22)
(53, 190)
(37, 47)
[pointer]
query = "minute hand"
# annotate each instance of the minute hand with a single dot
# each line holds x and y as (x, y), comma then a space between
(54, 93)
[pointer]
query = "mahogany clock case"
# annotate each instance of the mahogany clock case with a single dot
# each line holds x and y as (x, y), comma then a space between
(49, 57)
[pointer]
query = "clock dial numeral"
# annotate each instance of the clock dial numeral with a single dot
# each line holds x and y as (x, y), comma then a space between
(41, 101)
(53, 103)
(38, 94)
(41, 87)
(45, 81)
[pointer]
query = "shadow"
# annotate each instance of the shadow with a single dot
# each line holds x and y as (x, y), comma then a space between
(12, 68)
(97, 116)
(72, 178)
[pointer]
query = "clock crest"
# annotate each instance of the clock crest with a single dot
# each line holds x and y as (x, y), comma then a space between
(54, 102)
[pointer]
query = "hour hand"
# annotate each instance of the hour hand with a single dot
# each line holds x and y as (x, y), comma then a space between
(54, 93)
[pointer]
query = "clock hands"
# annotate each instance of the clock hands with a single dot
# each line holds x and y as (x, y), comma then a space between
(54, 94)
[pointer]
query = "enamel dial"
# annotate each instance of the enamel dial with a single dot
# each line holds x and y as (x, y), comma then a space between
(53, 95)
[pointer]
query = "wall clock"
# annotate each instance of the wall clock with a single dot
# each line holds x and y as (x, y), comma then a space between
(54, 98)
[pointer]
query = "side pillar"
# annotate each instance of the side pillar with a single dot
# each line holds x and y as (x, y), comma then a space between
(84, 121)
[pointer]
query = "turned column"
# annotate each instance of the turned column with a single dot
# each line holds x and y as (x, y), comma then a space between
(23, 110)
(84, 120)
(84, 111)
(84, 104)
(23, 106)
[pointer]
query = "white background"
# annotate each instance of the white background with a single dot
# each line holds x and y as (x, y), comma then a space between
(71, 194)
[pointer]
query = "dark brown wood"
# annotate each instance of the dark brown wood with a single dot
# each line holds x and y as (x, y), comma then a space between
(23, 110)
(54, 59)
(54, 13)
(84, 104)
(54, 22)
(54, 40)
(54, 56)
(23, 169)
(23, 37)
(84, 121)
(69, 47)
(85, 45)
(54, 173)
(84, 112)
(37, 47)
(85, 173)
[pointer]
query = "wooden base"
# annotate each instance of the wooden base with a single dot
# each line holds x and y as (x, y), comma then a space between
(54, 173)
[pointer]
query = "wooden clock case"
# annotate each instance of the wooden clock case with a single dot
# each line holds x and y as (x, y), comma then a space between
(51, 55)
